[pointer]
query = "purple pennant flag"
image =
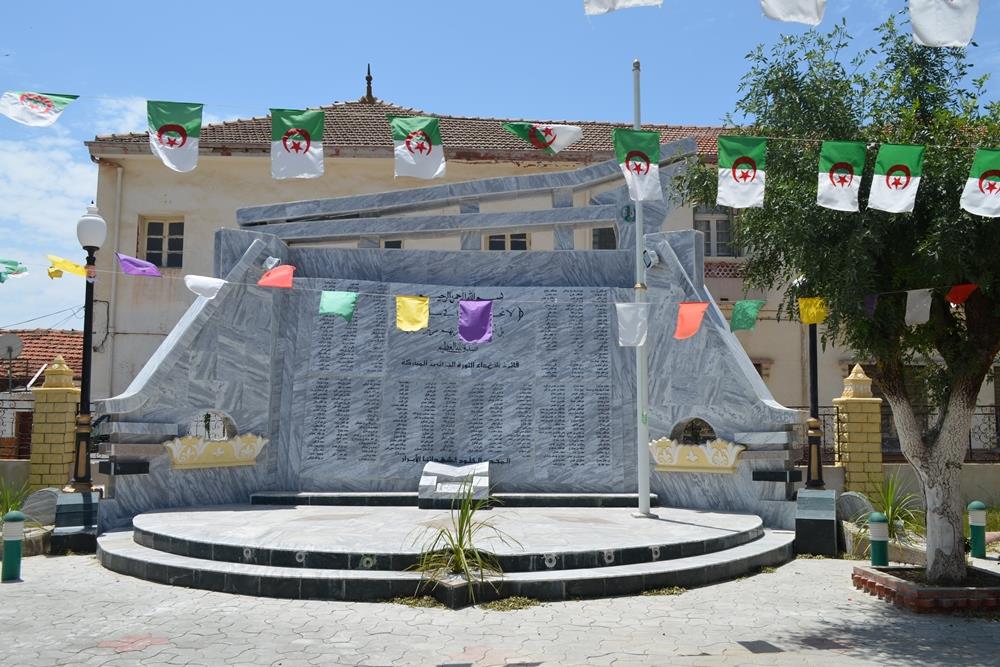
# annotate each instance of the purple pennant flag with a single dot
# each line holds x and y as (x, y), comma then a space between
(475, 321)
(137, 267)
(871, 303)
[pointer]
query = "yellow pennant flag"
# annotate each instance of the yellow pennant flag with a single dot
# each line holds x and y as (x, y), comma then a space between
(412, 312)
(61, 264)
(812, 310)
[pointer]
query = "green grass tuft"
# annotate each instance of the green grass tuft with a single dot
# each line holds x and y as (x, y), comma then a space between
(669, 590)
(512, 603)
(422, 602)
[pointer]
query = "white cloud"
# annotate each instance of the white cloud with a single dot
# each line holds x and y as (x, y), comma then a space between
(116, 115)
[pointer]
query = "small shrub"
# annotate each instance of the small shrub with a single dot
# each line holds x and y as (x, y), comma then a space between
(902, 509)
(12, 497)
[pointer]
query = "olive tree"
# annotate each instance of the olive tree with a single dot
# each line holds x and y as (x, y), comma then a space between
(804, 90)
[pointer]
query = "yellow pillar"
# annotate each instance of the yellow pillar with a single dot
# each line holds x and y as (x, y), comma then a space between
(859, 434)
(53, 426)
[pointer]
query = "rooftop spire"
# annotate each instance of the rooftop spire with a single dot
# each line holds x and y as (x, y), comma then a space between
(368, 98)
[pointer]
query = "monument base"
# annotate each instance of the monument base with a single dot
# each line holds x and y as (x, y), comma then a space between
(330, 552)
(76, 523)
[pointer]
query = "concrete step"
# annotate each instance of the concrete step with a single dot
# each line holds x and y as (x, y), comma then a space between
(120, 553)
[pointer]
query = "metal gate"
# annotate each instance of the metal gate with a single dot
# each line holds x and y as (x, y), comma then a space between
(15, 424)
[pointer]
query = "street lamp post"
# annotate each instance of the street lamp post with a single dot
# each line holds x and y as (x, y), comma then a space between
(814, 469)
(91, 231)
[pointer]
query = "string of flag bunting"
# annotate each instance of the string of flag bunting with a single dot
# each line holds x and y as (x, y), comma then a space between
(935, 23)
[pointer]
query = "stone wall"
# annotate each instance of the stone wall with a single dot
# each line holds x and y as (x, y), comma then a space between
(859, 434)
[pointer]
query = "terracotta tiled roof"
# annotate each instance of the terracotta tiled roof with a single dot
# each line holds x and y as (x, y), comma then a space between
(364, 125)
(40, 347)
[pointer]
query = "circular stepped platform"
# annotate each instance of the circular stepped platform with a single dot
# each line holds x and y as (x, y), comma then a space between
(354, 553)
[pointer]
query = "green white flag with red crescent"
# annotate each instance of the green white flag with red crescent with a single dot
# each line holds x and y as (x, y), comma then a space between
(174, 133)
(840, 167)
(943, 22)
(638, 154)
(898, 168)
(296, 143)
(742, 171)
(549, 138)
(809, 12)
(417, 145)
(981, 194)
(35, 109)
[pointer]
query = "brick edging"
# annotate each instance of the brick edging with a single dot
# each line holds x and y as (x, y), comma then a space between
(924, 599)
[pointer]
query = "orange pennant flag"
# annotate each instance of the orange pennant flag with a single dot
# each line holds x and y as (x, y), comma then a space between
(959, 294)
(689, 316)
(279, 276)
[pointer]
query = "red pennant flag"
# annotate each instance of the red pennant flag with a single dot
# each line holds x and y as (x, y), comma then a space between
(689, 316)
(958, 294)
(279, 276)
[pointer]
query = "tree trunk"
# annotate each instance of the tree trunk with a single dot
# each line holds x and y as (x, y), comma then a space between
(938, 464)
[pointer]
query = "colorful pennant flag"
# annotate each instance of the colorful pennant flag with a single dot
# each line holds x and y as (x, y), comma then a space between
(918, 306)
(741, 171)
(418, 148)
(592, 7)
(137, 267)
(174, 133)
(959, 294)
(689, 317)
(65, 265)
(897, 176)
(745, 314)
(204, 286)
(296, 143)
(981, 195)
(633, 323)
(412, 313)
(638, 154)
(870, 304)
(475, 321)
(943, 22)
(11, 268)
(840, 166)
(34, 109)
(812, 310)
(54, 273)
(549, 138)
(809, 12)
(341, 304)
(279, 276)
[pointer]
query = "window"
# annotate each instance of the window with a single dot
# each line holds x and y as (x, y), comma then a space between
(603, 238)
(716, 223)
(164, 243)
(396, 244)
(507, 242)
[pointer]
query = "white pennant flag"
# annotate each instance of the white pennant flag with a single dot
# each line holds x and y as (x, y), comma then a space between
(809, 12)
(918, 306)
(633, 323)
(204, 286)
(591, 7)
(943, 22)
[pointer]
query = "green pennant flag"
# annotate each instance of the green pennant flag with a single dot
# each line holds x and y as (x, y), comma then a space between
(638, 154)
(338, 303)
(898, 169)
(745, 314)
(742, 162)
(174, 133)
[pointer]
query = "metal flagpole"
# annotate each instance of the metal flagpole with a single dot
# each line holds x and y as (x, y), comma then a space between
(641, 382)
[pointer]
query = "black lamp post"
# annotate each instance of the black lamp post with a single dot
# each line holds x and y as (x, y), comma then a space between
(814, 469)
(91, 230)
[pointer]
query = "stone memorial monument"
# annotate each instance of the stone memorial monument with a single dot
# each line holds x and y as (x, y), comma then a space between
(314, 403)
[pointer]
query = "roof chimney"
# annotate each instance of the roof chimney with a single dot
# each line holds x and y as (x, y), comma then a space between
(368, 98)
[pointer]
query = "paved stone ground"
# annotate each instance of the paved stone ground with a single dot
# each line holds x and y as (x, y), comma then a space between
(71, 611)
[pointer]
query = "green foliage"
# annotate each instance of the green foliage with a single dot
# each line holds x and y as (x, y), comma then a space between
(669, 590)
(12, 497)
(900, 507)
(453, 550)
(898, 92)
(422, 602)
(512, 603)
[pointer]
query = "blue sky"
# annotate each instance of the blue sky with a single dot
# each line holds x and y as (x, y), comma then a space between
(519, 58)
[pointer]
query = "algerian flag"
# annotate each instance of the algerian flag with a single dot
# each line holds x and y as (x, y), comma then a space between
(897, 177)
(638, 154)
(840, 167)
(35, 109)
(550, 138)
(591, 7)
(982, 191)
(809, 12)
(741, 172)
(174, 129)
(296, 143)
(418, 148)
(943, 22)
